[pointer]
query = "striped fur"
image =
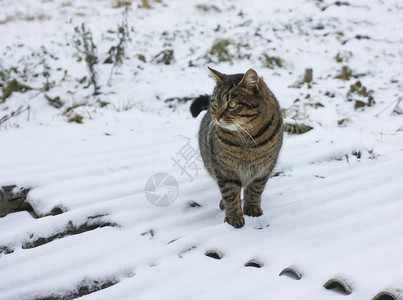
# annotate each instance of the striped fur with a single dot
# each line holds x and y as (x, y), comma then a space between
(240, 145)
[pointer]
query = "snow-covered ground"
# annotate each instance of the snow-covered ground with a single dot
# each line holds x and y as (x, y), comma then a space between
(333, 210)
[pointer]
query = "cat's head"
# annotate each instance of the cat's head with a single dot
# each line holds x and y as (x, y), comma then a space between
(237, 99)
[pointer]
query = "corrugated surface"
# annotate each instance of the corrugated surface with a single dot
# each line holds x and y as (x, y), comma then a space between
(334, 219)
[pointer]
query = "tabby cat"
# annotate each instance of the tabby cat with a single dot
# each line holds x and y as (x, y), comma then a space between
(240, 138)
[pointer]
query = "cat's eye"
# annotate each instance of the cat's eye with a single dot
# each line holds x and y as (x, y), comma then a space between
(232, 104)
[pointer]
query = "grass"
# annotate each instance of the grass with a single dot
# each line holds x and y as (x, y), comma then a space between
(272, 62)
(123, 105)
(24, 17)
(85, 46)
(15, 113)
(297, 128)
(220, 50)
(12, 86)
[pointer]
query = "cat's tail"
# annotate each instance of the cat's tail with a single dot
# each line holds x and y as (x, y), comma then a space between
(199, 104)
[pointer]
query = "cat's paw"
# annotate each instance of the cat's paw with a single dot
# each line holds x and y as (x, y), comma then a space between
(252, 211)
(236, 221)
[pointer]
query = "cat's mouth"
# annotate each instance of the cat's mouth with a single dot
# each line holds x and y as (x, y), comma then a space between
(226, 125)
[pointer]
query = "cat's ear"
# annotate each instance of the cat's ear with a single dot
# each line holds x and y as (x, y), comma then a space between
(218, 76)
(250, 80)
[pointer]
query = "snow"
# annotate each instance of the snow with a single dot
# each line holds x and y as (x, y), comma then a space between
(328, 212)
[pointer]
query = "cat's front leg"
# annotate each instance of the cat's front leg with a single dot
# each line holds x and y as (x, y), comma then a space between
(231, 197)
(253, 196)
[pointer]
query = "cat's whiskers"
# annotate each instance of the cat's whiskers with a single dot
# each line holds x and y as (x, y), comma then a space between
(244, 130)
(238, 133)
(248, 125)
